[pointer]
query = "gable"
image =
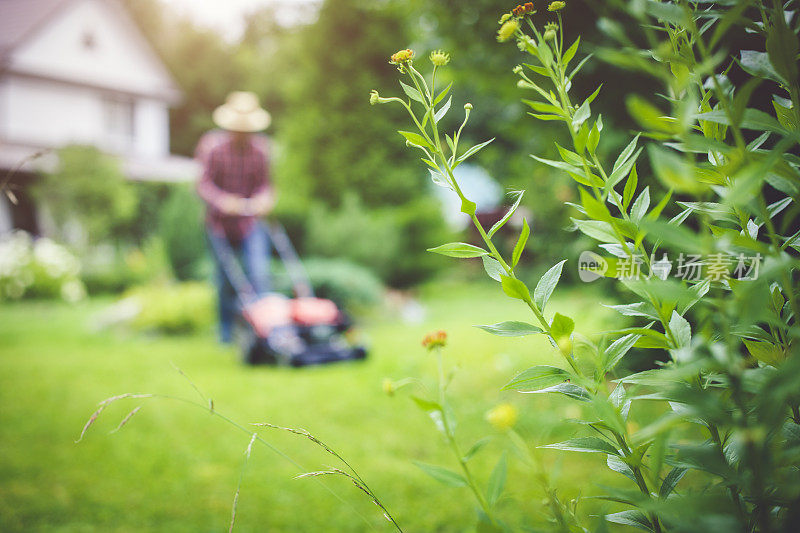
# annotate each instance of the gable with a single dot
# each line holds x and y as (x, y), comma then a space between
(93, 42)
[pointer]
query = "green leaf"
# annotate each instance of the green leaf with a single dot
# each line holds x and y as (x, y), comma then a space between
(765, 352)
(752, 119)
(593, 207)
(630, 518)
(521, 242)
(666, 12)
(473, 150)
(426, 405)
(581, 115)
(514, 288)
(680, 329)
(500, 223)
(442, 94)
(562, 326)
(618, 465)
(670, 481)
(412, 93)
(584, 444)
(547, 284)
(475, 448)
(570, 53)
(416, 139)
(537, 378)
(459, 249)
(492, 267)
(757, 64)
(597, 229)
(511, 329)
(442, 475)
(621, 171)
(442, 110)
(673, 170)
(618, 349)
(626, 153)
(497, 481)
(630, 188)
(567, 389)
(640, 206)
(649, 116)
(468, 207)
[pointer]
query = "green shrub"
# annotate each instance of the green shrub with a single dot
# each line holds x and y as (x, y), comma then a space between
(388, 241)
(90, 189)
(347, 284)
(181, 227)
(173, 308)
(37, 268)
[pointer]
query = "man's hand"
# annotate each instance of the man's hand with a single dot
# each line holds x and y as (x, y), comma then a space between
(261, 205)
(233, 205)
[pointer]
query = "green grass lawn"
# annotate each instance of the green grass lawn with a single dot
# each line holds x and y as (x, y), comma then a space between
(174, 467)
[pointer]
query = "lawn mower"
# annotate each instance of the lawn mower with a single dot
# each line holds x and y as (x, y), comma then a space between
(276, 329)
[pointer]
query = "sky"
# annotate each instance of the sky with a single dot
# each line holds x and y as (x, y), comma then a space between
(225, 16)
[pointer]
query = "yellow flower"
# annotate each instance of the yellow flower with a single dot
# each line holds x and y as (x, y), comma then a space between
(435, 340)
(439, 58)
(402, 56)
(507, 30)
(503, 416)
(558, 5)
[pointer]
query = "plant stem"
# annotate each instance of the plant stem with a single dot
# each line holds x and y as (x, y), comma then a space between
(449, 433)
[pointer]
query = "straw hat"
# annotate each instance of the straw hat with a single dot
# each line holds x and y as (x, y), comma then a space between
(241, 112)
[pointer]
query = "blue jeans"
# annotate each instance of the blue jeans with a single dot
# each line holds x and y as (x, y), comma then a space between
(253, 254)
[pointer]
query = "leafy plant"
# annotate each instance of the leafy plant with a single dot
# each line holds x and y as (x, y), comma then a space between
(729, 393)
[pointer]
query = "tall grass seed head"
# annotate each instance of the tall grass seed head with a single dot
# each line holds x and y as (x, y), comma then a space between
(503, 416)
(558, 5)
(507, 30)
(439, 58)
(435, 340)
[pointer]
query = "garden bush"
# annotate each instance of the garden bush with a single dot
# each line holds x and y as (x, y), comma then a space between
(38, 268)
(181, 228)
(173, 308)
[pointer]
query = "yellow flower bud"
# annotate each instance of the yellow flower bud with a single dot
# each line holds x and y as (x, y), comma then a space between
(388, 387)
(503, 416)
(467, 107)
(565, 345)
(507, 30)
(558, 5)
(439, 58)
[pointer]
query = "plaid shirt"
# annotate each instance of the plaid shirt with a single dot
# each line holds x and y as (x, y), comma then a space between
(229, 171)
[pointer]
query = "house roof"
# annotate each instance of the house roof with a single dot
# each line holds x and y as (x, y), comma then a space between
(21, 18)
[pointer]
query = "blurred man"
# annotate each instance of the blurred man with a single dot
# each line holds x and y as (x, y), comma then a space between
(237, 191)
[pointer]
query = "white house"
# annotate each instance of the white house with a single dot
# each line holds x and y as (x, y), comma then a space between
(80, 72)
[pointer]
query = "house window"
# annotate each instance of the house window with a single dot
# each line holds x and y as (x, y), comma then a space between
(119, 121)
